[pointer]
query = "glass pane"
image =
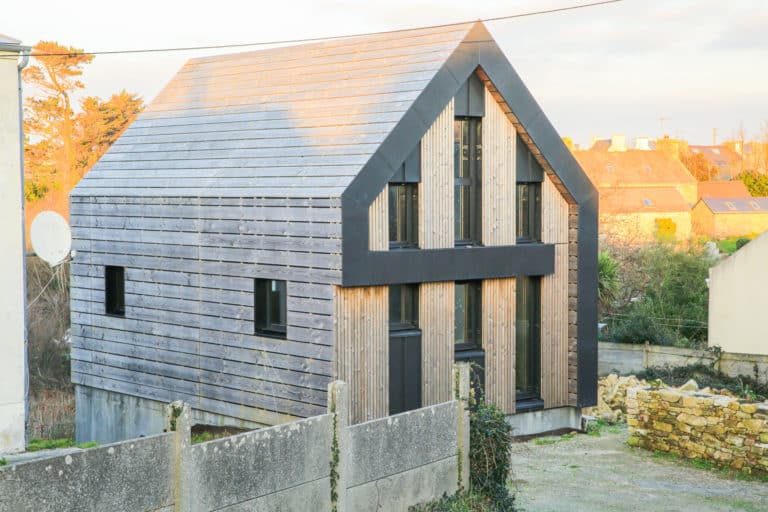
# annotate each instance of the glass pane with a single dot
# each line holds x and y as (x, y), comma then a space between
(403, 213)
(393, 191)
(468, 314)
(403, 306)
(527, 337)
(522, 211)
(461, 313)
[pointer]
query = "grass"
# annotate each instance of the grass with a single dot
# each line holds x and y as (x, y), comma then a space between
(540, 441)
(205, 433)
(3, 462)
(459, 502)
(600, 426)
(708, 465)
(35, 445)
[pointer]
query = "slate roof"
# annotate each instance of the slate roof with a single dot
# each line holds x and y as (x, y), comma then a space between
(298, 121)
(633, 168)
(623, 200)
(737, 205)
(723, 189)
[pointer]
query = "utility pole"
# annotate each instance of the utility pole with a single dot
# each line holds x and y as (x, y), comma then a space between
(661, 124)
(714, 136)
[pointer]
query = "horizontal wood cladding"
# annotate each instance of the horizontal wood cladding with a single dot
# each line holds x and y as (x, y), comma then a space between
(378, 222)
(436, 319)
(362, 349)
(188, 330)
(498, 176)
(436, 186)
(499, 342)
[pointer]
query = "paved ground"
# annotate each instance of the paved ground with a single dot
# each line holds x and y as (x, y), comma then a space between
(595, 474)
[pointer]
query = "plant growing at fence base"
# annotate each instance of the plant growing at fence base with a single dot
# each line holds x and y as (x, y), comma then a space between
(490, 437)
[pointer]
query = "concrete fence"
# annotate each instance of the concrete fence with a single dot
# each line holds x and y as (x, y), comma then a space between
(319, 464)
(628, 359)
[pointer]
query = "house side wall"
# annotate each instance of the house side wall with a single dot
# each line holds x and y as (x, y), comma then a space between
(499, 342)
(573, 304)
(362, 349)
(437, 320)
(554, 299)
(702, 220)
(738, 224)
(378, 222)
(641, 227)
(499, 177)
(436, 213)
(188, 329)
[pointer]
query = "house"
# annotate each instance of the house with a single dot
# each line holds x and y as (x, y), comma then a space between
(723, 189)
(723, 218)
(723, 158)
(369, 209)
(737, 300)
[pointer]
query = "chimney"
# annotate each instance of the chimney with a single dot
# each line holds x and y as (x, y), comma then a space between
(593, 140)
(643, 143)
(618, 144)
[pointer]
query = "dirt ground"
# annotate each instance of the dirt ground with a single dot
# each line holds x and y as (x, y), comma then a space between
(591, 474)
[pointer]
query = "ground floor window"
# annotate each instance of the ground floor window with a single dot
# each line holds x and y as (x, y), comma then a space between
(404, 348)
(528, 338)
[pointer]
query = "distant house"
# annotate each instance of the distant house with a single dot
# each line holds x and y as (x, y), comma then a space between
(738, 300)
(723, 189)
(370, 209)
(726, 217)
(724, 159)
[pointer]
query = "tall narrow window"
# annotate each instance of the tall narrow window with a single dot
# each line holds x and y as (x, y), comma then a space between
(269, 304)
(404, 348)
(468, 303)
(114, 290)
(527, 338)
(529, 212)
(468, 152)
(403, 215)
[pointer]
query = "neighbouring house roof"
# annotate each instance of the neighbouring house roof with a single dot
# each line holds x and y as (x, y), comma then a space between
(723, 189)
(297, 121)
(624, 200)
(722, 157)
(633, 168)
(8, 39)
(737, 205)
(600, 145)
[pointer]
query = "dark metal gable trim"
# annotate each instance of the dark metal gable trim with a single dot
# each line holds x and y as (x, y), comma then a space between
(362, 267)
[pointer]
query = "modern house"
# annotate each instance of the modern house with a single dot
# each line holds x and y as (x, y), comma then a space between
(737, 300)
(369, 209)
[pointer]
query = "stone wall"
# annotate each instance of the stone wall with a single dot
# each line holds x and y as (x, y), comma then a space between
(725, 430)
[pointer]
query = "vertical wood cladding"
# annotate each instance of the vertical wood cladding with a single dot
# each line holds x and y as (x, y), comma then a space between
(499, 342)
(573, 302)
(554, 299)
(498, 175)
(362, 349)
(436, 319)
(436, 186)
(378, 222)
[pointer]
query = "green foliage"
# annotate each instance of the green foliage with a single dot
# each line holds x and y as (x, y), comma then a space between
(89, 444)
(3, 462)
(741, 242)
(706, 376)
(36, 445)
(490, 437)
(607, 279)
(757, 184)
(460, 502)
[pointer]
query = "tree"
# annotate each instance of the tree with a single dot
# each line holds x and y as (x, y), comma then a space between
(698, 165)
(757, 184)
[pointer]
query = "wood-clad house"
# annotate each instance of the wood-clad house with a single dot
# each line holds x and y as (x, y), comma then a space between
(369, 209)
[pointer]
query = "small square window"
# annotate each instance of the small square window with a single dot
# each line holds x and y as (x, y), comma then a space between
(730, 205)
(403, 307)
(403, 215)
(269, 304)
(754, 205)
(647, 202)
(114, 290)
(529, 212)
(609, 168)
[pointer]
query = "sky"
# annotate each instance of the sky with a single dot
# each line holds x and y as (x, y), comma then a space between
(611, 69)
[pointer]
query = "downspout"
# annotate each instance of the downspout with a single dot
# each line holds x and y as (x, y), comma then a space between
(22, 64)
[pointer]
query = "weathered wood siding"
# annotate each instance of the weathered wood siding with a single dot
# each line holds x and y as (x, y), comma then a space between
(437, 320)
(499, 342)
(498, 176)
(554, 299)
(188, 330)
(378, 222)
(573, 302)
(362, 349)
(436, 229)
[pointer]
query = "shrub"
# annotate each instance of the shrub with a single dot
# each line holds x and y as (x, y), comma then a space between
(741, 242)
(490, 437)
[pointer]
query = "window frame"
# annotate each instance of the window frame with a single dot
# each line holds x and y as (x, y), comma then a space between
(412, 324)
(263, 308)
(411, 190)
(469, 129)
(473, 318)
(114, 290)
(533, 212)
(534, 320)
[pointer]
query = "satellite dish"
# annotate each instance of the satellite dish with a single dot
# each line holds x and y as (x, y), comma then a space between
(51, 237)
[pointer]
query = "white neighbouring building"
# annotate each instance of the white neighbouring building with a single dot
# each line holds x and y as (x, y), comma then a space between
(13, 386)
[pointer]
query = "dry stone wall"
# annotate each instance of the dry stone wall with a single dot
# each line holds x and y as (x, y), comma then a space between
(725, 430)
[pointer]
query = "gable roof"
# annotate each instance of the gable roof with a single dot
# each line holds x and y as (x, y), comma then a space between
(723, 189)
(297, 121)
(633, 168)
(618, 200)
(722, 157)
(737, 205)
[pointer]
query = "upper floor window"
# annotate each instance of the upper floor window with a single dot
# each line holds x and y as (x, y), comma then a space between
(403, 307)
(468, 304)
(114, 290)
(403, 215)
(269, 305)
(468, 152)
(529, 212)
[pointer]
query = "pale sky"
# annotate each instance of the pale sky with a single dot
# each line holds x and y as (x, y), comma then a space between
(616, 68)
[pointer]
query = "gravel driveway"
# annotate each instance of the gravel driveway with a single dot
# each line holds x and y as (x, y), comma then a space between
(589, 474)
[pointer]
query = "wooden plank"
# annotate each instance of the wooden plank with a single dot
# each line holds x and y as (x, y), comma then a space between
(243, 200)
(210, 212)
(202, 192)
(220, 149)
(362, 349)
(378, 222)
(499, 180)
(437, 321)
(499, 342)
(436, 213)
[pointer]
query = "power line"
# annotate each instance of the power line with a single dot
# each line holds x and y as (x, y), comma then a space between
(326, 38)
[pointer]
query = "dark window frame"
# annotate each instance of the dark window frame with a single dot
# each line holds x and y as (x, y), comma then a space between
(410, 211)
(408, 317)
(264, 323)
(468, 142)
(473, 319)
(405, 349)
(534, 322)
(114, 290)
(533, 225)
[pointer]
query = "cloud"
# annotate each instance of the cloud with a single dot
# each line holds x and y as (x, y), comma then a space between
(746, 34)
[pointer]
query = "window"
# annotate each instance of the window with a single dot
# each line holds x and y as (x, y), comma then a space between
(114, 290)
(269, 304)
(529, 212)
(609, 168)
(647, 202)
(730, 205)
(404, 348)
(468, 301)
(403, 215)
(467, 185)
(754, 205)
(527, 338)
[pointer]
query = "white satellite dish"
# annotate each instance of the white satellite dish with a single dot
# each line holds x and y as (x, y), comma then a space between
(51, 237)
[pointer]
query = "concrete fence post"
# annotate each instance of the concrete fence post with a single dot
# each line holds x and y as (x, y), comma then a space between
(646, 355)
(461, 392)
(179, 422)
(338, 406)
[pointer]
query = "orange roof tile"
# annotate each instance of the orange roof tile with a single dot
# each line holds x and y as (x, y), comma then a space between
(723, 189)
(641, 200)
(633, 168)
